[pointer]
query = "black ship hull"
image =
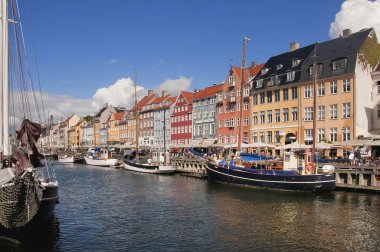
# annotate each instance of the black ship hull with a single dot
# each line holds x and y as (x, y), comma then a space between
(311, 183)
(44, 214)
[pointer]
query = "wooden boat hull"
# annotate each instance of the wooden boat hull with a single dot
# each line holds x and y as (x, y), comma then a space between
(102, 162)
(159, 169)
(312, 183)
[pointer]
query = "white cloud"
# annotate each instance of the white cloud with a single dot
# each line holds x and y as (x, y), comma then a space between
(112, 61)
(119, 93)
(356, 15)
(174, 86)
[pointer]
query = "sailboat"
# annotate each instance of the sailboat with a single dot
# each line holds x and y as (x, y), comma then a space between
(133, 162)
(28, 190)
(295, 179)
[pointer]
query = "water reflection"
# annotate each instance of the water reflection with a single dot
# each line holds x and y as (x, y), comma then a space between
(34, 239)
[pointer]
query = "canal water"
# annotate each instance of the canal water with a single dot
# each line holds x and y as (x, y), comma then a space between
(106, 209)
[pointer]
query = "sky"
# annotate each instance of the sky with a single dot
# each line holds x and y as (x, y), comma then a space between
(88, 50)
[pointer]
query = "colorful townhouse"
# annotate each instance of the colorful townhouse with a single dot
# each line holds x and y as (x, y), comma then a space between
(123, 128)
(113, 132)
(344, 101)
(161, 116)
(146, 120)
(204, 112)
(275, 97)
(233, 103)
(181, 120)
(87, 133)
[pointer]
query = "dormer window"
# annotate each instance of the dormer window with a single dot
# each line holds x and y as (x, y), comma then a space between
(279, 66)
(319, 69)
(295, 62)
(270, 81)
(259, 84)
(264, 71)
(339, 64)
(290, 76)
(231, 80)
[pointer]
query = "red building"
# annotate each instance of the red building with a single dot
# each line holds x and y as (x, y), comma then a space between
(181, 119)
(229, 105)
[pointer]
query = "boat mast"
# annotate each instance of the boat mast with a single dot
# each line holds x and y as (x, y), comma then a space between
(315, 72)
(240, 138)
(4, 130)
(136, 116)
(164, 136)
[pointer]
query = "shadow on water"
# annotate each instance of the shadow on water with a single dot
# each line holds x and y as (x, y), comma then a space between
(42, 238)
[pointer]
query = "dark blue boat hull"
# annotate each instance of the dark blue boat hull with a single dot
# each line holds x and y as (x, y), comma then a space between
(312, 183)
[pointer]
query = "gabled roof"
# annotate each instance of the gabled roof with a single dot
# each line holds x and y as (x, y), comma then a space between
(119, 115)
(189, 96)
(207, 92)
(145, 100)
(169, 100)
(79, 122)
(249, 71)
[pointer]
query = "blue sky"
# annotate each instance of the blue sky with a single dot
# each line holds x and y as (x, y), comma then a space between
(84, 45)
(87, 49)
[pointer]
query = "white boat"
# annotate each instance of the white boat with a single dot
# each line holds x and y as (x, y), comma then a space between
(66, 160)
(100, 157)
(148, 168)
(28, 191)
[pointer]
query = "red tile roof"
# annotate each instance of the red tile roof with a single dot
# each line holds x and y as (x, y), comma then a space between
(145, 100)
(253, 70)
(119, 115)
(80, 122)
(207, 92)
(189, 96)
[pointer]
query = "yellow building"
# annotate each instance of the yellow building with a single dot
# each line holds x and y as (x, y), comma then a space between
(113, 134)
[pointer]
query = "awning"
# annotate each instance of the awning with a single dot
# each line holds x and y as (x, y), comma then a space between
(293, 146)
(202, 143)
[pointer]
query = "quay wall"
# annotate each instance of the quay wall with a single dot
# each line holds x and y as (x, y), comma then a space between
(190, 166)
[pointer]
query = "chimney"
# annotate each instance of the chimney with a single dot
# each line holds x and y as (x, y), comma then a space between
(150, 92)
(165, 93)
(346, 33)
(294, 46)
(253, 64)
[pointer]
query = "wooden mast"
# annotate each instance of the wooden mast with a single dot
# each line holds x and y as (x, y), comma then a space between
(315, 72)
(4, 89)
(240, 138)
(136, 116)
(164, 136)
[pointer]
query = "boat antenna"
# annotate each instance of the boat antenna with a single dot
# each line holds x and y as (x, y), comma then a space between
(240, 138)
(315, 72)
(136, 116)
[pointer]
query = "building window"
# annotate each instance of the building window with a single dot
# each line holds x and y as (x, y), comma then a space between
(262, 98)
(262, 137)
(246, 105)
(309, 134)
(321, 135)
(346, 86)
(259, 84)
(226, 139)
(321, 89)
(231, 80)
(254, 117)
(238, 93)
(255, 99)
(294, 93)
(333, 111)
(277, 95)
(220, 139)
(339, 64)
(295, 62)
(285, 94)
(220, 123)
(262, 116)
(294, 114)
(246, 91)
(378, 111)
(333, 134)
(321, 112)
(346, 133)
(245, 121)
(269, 137)
(254, 137)
(308, 116)
(333, 87)
(308, 91)
(378, 87)
(277, 136)
(277, 115)
(269, 97)
(238, 106)
(346, 110)
(285, 114)
(290, 76)
(269, 116)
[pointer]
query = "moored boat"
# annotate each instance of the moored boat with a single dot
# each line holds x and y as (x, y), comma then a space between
(131, 164)
(100, 157)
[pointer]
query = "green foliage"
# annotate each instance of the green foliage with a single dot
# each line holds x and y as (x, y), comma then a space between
(88, 118)
(369, 53)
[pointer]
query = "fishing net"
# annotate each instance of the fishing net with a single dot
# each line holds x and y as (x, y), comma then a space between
(19, 201)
